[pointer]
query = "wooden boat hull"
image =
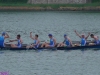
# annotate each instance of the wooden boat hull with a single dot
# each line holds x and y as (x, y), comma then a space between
(54, 48)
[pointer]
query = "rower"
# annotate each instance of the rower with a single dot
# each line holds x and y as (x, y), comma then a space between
(83, 38)
(96, 39)
(52, 42)
(2, 38)
(36, 41)
(66, 42)
(19, 40)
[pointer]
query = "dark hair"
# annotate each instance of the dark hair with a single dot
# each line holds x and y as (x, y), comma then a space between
(92, 35)
(18, 35)
(36, 35)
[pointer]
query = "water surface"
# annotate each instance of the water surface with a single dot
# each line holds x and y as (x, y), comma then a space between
(50, 62)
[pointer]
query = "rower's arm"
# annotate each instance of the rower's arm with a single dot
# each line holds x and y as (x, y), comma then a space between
(6, 36)
(77, 33)
(96, 38)
(87, 36)
(21, 41)
(55, 42)
(70, 41)
(38, 42)
(64, 41)
(31, 36)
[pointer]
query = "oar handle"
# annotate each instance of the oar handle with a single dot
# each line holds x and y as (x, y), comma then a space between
(9, 42)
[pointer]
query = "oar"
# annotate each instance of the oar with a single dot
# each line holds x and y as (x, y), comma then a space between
(7, 42)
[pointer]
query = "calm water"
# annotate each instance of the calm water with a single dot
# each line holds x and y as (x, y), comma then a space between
(50, 62)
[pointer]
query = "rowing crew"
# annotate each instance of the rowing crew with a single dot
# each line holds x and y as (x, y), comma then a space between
(67, 41)
(5, 35)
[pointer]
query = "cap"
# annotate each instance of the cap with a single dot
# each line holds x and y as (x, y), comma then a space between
(50, 35)
(3, 33)
(65, 35)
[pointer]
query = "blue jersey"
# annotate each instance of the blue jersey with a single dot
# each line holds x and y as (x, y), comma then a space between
(66, 41)
(51, 42)
(35, 42)
(19, 44)
(83, 42)
(1, 41)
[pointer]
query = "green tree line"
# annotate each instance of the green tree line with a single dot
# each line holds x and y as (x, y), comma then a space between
(25, 1)
(95, 1)
(13, 1)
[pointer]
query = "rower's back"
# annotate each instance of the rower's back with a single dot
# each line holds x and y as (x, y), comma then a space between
(1, 41)
(83, 42)
(51, 42)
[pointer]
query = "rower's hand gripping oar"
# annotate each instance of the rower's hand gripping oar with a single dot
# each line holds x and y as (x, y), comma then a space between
(9, 41)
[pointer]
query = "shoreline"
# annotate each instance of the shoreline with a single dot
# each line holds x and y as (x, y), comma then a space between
(25, 8)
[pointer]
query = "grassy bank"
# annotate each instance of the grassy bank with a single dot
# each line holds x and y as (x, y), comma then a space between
(54, 6)
(51, 7)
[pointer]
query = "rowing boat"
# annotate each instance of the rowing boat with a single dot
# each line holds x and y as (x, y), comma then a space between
(54, 48)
